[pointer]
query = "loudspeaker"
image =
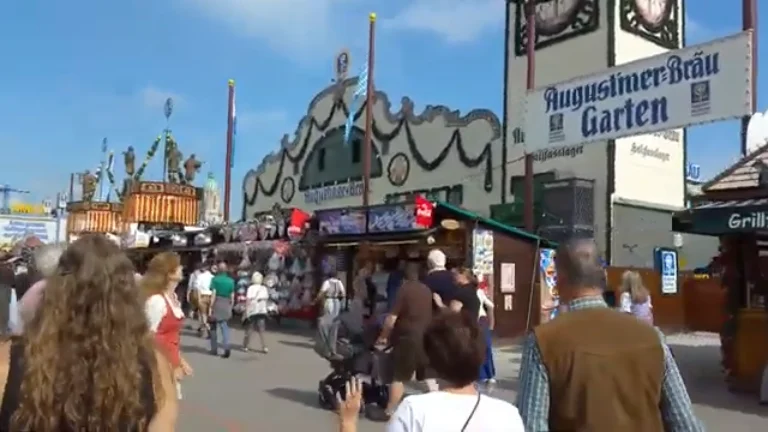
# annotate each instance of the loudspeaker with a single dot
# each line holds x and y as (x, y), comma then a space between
(569, 209)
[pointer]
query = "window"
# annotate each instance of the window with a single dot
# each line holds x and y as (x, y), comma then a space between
(321, 159)
(356, 148)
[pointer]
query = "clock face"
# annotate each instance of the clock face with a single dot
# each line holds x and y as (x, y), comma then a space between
(653, 12)
(554, 16)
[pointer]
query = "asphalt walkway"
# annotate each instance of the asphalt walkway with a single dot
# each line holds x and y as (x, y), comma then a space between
(278, 391)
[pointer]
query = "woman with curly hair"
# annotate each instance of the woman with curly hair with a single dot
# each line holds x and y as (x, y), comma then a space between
(86, 361)
(163, 309)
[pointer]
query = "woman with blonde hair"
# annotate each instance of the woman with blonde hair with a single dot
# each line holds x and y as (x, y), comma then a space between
(255, 316)
(86, 362)
(163, 309)
(635, 298)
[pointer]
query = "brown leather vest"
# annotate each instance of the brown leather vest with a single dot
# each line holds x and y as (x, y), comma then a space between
(605, 372)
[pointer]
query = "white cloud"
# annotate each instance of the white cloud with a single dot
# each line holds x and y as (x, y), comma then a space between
(154, 98)
(296, 27)
(455, 21)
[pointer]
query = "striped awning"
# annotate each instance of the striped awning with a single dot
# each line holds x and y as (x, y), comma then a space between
(724, 217)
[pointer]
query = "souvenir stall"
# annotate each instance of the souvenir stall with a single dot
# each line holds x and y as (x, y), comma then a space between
(272, 245)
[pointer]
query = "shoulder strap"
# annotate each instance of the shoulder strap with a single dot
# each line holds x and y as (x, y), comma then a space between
(472, 414)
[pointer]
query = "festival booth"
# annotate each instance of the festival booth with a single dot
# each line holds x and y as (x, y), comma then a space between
(275, 245)
(734, 207)
(93, 217)
(93, 214)
(504, 258)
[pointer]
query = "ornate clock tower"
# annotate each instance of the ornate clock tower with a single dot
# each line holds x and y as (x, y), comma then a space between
(644, 173)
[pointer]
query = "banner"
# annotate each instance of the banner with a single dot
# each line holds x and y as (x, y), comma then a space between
(392, 219)
(697, 84)
(341, 222)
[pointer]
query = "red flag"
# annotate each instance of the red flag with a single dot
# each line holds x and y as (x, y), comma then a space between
(424, 208)
(298, 220)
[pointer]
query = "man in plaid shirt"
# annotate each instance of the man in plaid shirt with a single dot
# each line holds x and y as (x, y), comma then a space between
(597, 369)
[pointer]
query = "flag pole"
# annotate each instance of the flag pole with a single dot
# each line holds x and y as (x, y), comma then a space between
(749, 22)
(228, 156)
(367, 145)
(529, 216)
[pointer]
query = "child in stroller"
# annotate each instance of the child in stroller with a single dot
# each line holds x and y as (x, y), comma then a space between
(349, 345)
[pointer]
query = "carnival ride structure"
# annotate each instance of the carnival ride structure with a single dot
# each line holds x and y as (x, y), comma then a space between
(170, 204)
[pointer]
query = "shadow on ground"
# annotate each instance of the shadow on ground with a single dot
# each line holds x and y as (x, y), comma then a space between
(702, 372)
(303, 397)
(507, 384)
(194, 349)
(297, 344)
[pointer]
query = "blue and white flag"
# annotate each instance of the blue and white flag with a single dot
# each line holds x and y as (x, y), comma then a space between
(361, 91)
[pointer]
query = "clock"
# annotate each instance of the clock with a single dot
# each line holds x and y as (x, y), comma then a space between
(553, 17)
(556, 21)
(656, 21)
(652, 13)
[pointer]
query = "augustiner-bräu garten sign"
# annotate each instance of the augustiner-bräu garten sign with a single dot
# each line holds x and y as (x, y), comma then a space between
(697, 84)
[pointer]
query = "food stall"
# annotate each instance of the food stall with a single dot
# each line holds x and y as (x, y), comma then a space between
(504, 258)
(734, 207)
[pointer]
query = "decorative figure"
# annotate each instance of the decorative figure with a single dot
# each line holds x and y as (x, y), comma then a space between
(191, 168)
(89, 182)
(129, 160)
(174, 160)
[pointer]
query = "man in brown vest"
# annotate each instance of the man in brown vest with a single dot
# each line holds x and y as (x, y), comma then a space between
(594, 369)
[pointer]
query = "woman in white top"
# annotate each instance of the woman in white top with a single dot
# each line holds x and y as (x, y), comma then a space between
(331, 295)
(163, 310)
(635, 298)
(255, 317)
(454, 345)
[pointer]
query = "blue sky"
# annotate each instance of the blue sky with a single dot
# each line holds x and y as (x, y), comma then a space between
(75, 72)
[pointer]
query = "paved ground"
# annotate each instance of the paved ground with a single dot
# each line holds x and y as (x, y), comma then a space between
(277, 391)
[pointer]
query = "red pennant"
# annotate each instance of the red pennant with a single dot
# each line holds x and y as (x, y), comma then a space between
(298, 220)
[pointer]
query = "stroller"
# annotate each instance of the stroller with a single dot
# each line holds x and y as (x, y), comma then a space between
(355, 354)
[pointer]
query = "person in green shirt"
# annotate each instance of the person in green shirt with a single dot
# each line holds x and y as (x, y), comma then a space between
(222, 302)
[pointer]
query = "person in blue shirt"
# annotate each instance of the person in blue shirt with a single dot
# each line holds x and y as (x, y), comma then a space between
(440, 280)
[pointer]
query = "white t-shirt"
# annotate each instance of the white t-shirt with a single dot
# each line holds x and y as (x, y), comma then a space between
(333, 290)
(256, 300)
(447, 412)
(156, 307)
(192, 279)
(625, 302)
(203, 283)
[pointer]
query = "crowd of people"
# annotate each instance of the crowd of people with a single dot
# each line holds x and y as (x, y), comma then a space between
(593, 368)
(89, 346)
